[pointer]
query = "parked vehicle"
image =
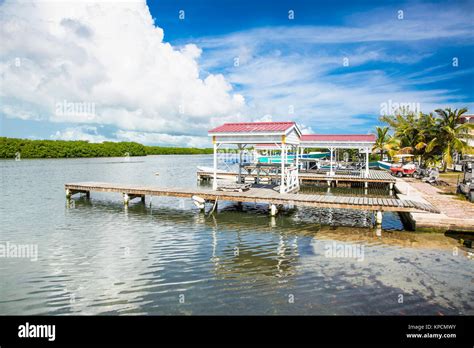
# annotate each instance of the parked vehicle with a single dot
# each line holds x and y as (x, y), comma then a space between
(405, 167)
(432, 176)
(466, 185)
(421, 172)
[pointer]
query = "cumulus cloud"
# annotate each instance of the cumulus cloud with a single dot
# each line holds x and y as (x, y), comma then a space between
(150, 138)
(111, 57)
(88, 133)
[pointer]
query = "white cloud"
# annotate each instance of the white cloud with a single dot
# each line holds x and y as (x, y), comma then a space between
(110, 55)
(88, 133)
(149, 138)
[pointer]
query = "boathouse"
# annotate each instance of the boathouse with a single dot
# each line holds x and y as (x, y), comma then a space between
(363, 143)
(284, 135)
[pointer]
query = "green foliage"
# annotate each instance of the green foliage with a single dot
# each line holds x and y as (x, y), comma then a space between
(385, 143)
(72, 149)
(432, 138)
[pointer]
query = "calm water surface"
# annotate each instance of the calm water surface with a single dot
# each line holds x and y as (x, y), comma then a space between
(98, 257)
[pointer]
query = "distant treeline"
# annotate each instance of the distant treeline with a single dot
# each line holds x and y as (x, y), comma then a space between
(26, 148)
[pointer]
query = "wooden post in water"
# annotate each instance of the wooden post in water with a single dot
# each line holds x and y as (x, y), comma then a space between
(214, 174)
(126, 198)
(378, 217)
(273, 210)
(240, 164)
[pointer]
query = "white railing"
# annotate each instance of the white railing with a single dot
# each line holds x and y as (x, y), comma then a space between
(291, 180)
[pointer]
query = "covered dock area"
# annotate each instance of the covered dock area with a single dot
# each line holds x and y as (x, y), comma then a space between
(287, 155)
(336, 142)
(283, 136)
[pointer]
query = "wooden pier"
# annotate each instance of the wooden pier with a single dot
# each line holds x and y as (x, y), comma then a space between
(259, 194)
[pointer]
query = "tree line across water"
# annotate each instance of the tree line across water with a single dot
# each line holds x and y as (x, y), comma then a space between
(26, 148)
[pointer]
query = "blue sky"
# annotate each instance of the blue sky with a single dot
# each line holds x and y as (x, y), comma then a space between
(165, 80)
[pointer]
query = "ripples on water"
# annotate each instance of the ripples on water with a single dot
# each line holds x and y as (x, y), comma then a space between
(98, 257)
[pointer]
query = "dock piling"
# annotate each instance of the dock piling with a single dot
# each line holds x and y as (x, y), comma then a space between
(126, 198)
(378, 217)
(273, 210)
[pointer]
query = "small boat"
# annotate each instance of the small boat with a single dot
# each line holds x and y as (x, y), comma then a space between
(221, 173)
(211, 169)
(384, 165)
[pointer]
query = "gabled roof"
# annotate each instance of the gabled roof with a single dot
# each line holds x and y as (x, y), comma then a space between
(338, 137)
(269, 145)
(253, 127)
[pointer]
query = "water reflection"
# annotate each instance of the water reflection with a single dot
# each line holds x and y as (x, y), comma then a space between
(100, 257)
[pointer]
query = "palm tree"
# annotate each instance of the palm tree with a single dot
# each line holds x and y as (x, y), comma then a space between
(410, 131)
(384, 142)
(451, 135)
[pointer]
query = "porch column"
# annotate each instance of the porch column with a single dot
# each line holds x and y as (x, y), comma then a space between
(330, 163)
(367, 162)
(282, 176)
(240, 163)
(297, 153)
(214, 174)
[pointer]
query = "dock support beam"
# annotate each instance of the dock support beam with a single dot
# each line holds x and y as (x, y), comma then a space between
(70, 193)
(214, 174)
(240, 164)
(126, 198)
(367, 163)
(282, 174)
(273, 210)
(330, 163)
(378, 217)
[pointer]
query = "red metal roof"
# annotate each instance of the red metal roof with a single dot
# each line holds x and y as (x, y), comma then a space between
(338, 137)
(253, 127)
(267, 145)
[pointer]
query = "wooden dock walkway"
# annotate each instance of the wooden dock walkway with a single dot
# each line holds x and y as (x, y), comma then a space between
(454, 215)
(257, 194)
(375, 176)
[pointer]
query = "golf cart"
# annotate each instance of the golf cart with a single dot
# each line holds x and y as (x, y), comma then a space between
(405, 166)
(466, 186)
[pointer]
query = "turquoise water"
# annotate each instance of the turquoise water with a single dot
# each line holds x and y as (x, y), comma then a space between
(98, 257)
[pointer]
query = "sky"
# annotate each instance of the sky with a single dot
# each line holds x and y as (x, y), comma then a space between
(165, 72)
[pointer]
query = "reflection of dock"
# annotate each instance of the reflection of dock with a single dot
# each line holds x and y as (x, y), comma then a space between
(259, 194)
(255, 174)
